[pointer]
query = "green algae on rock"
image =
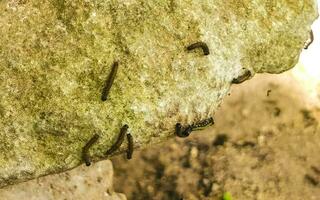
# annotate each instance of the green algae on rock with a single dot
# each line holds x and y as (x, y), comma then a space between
(56, 55)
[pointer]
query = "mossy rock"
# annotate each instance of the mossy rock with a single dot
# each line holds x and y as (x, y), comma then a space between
(55, 57)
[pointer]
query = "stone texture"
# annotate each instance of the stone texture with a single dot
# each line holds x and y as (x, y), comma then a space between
(261, 148)
(81, 183)
(55, 56)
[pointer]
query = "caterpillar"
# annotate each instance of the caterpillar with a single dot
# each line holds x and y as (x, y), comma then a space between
(119, 141)
(109, 81)
(85, 155)
(201, 45)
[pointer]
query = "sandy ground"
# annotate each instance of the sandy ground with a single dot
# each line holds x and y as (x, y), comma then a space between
(264, 145)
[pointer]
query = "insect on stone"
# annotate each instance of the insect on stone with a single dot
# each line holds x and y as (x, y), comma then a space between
(109, 81)
(201, 45)
(85, 153)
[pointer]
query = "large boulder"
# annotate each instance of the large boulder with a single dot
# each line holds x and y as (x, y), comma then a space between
(55, 57)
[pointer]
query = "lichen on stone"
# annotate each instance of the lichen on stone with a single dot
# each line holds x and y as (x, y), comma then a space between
(56, 55)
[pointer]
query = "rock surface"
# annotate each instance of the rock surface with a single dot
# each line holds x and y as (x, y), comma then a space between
(261, 148)
(56, 55)
(81, 183)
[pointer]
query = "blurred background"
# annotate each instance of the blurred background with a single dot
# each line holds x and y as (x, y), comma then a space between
(264, 145)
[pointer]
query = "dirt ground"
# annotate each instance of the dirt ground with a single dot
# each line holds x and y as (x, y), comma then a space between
(265, 145)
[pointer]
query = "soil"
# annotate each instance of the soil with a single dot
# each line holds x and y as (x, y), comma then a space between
(265, 144)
